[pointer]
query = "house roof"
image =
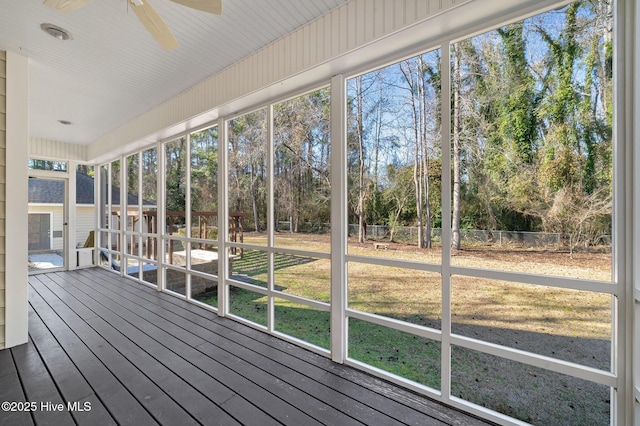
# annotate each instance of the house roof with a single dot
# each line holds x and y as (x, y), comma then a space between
(51, 191)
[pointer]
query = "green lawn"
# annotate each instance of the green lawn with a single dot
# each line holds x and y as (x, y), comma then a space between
(566, 324)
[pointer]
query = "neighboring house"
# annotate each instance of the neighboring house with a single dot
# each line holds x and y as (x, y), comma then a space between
(46, 211)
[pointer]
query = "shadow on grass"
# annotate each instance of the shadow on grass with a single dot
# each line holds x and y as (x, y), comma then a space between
(515, 389)
(527, 393)
(591, 352)
(299, 321)
(252, 268)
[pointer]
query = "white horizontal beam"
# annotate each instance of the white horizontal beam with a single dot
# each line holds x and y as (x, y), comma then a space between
(559, 366)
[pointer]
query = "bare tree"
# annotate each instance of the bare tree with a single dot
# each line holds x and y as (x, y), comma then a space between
(456, 85)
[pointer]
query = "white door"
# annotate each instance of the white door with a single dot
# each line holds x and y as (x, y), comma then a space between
(48, 225)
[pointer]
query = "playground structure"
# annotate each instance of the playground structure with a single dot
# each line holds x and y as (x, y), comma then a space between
(206, 221)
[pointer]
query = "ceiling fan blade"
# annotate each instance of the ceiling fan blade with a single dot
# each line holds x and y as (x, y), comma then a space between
(65, 5)
(211, 6)
(154, 24)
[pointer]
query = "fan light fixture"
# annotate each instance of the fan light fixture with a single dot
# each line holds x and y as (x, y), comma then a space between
(145, 13)
(56, 31)
(64, 122)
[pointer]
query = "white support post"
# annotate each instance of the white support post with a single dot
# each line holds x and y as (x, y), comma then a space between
(187, 215)
(70, 219)
(16, 196)
(122, 222)
(625, 203)
(223, 219)
(339, 222)
(140, 210)
(270, 221)
(445, 350)
(98, 211)
(632, 143)
(162, 217)
(108, 209)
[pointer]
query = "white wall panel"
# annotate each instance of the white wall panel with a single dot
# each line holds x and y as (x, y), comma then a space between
(17, 138)
(633, 53)
(3, 109)
(85, 222)
(55, 150)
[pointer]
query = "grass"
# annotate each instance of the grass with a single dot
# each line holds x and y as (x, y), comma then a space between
(403, 354)
(562, 323)
(527, 393)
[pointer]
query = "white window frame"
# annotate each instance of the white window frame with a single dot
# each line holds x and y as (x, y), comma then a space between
(625, 285)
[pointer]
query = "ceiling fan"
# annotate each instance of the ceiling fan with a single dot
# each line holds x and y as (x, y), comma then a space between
(147, 15)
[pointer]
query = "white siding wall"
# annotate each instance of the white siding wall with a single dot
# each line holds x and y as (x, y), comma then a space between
(3, 144)
(85, 222)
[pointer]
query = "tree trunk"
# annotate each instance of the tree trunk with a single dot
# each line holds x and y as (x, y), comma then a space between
(254, 200)
(457, 130)
(425, 154)
(362, 230)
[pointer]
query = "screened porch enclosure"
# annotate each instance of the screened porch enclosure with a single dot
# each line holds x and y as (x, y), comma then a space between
(318, 219)
(431, 222)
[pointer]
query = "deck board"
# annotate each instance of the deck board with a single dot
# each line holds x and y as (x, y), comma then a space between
(143, 357)
(279, 408)
(319, 369)
(333, 407)
(171, 368)
(11, 391)
(115, 395)
(38, 386)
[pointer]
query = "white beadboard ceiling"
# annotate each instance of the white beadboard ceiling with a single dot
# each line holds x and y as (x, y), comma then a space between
(113, 70)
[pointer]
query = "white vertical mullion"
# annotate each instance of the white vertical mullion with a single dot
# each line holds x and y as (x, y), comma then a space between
(623, 225)
(98, 206)
(626, 405)
(223, 218)
(65, 223)
(445, 90)
(140, 209)
(122, 225)
(109, 218)
(270, 221)
(137, 238)
(71, 257)
(161, 218)
(339, 216)
(633, 259)
(187, 214)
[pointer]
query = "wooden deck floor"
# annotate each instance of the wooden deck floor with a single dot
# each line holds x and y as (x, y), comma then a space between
(126, 354)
